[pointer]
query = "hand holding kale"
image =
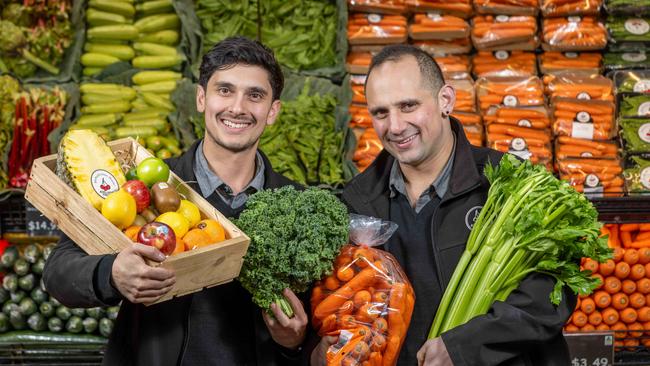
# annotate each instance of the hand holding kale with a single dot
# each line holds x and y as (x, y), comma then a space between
(295, 237)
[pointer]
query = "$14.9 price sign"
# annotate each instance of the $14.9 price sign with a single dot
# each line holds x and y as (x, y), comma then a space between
(37, 224)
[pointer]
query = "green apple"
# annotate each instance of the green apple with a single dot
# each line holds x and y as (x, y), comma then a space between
(152, 171)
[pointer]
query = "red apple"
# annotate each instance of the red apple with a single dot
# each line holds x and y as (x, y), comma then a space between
(159, 236)
(140, 192)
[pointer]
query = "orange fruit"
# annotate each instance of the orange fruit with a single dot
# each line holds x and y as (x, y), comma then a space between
(214, 230)
(131, 232)
(196, 238)
(180, 246)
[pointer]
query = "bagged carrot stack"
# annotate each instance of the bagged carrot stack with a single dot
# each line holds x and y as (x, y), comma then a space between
(573, 33)
(504, 31)
(555, 61)
(367, 302)
(504, 63)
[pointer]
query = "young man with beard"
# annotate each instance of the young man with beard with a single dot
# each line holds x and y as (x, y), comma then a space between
(239, 89)
(429, 180)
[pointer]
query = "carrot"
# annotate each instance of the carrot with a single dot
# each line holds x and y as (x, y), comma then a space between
(640, 244)
(588, 306)
(602, 327)
(643, 286)
(376, 358)
(614, 236)
(643, 235)
(331, 283)
(637, 271)
(380, 325)
(622, 270)
(607, 268)
(626, 238)
(610, 316)
(396, 306)
(579, 319)
(631, 256)
(618, 254)
(570, 328)
(591, 265)
(620, 301)
(328, 325)
(628, 286)
(637, 328)
(637, 300)
(346, 308)
(602, 299)
(612, 285)
(331, 303)
(644, 227)
(629, 227)
(345, 274)
(367, 313)
(392, 351)
(628, 315)
(619, 328)
(588, 328)
(361, 298)
(595, 318)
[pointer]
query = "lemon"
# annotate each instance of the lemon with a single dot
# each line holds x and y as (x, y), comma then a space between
(176, 221)
(190, 212)
(119, 208)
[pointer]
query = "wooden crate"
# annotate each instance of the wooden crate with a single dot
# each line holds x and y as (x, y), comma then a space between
(196, 269)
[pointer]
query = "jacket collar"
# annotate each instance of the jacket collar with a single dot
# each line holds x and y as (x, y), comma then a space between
(183, 166)
(373, 184)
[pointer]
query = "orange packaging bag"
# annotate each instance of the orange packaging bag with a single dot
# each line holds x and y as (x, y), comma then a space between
(367, 302)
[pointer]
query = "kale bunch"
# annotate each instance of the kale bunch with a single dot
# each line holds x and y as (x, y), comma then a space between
(295, 237)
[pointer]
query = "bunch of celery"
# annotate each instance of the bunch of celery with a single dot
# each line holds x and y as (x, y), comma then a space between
(531, 222)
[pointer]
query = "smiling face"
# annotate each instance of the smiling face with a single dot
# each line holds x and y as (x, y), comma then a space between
(406, 113)
(238, 104)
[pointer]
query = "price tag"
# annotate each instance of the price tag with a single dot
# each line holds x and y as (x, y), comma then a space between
(501, 55)
(37, 224)
(581, 130)
(637, 26)
(644, 109)
(642, 86)
(374, 18)
(519, 148)
(510, 101)
(591, 349)
(644, 132)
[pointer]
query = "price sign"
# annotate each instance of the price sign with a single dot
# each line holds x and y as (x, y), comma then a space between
(591, 349)
(37, 224)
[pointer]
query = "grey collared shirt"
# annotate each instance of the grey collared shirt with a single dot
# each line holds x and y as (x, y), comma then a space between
(209, 182)
(438, 187)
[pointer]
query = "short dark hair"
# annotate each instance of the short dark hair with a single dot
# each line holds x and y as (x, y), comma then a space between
(241, 50)
(429, 68)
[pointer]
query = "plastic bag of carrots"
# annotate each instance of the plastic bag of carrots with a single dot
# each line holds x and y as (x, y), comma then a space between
(574, 33)
(358, 62)
(504, 63)
(585, 119)
(378, 6)
(490, 30)
(579, 86)
(360, 117)
(376, 29)
(531, 117)
(511, 7)
(367, 302)
(437, 26)
(509, 91)
(445, 47)
(524, 142)
(454, 67)
(472, 125)
(460, 8)
(568, 147)
(554, 8)
(358, 94)
(594, 177)
(465, 95)
(368, 147)
(554, 61)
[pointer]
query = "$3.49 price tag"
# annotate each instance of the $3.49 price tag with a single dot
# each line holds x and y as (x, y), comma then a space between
(591, 349)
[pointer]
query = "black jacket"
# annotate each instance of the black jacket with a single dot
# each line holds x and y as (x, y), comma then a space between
(156, 335)
(526, 329)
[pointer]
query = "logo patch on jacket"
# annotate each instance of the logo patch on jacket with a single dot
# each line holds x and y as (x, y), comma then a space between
(472, 215)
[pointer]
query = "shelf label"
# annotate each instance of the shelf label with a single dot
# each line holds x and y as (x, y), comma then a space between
(637, 26)
(37, 224)
(591, 349)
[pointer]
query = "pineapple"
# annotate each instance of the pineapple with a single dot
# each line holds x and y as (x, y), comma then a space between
(87, 164)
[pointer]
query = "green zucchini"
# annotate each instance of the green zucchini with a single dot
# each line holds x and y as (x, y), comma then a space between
(122, 132)
(155, 7)
(5, 325)
(108, 107)
(155, 23)
(154, 49)
(154, 143)
(17, 296)
(47, 309)
(156, 62)
(148, 77)
(38, 295)
(140, 116)
(36, 322)
(4, 295)
(38, 267)
(8, 306)
(91, 59)
(122, 52)
(21, 267)
(158, 123)
(27, 306)
(105, 327)
(47, 250)
(80, 312)
(166, 37)
(9, 256)
(63, 313)
(32, 253)
(120, 32)
(112, 311)
(96, 17)
(158, 101)
(74, 324)
(90, 325)
(10, 282)
(90, 71)
(96, 312)
(111, 6)
(27, 282)
(17, 320)
(55, 325)
(158, 87)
